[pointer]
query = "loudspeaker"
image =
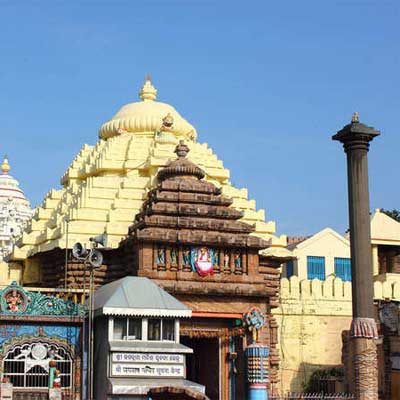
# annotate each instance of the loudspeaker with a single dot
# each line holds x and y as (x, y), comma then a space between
(79, 251)
(95, 258)
(100, 239)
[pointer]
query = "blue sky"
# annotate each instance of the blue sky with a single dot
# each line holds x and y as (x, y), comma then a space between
(266, 84)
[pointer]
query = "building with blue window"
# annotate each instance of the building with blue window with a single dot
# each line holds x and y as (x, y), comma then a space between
(327, 253)
(313, 314)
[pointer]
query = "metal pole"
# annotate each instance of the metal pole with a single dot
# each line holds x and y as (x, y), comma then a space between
(66, 252)
(355, 138)
(84, 331)
(91, 330)
(94, 258)
(90, 350)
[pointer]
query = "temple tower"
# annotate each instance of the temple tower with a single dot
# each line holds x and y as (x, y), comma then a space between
(104, 187)
(172, 216)
(15, 212)
(192, 243)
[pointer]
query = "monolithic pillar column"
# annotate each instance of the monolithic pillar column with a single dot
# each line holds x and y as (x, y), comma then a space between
(355, 138)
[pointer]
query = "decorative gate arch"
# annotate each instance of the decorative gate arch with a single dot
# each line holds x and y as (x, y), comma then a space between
(39, 332)
(26, 364)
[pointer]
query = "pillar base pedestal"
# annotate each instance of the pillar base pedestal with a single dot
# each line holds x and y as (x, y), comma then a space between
(257, 391)
(365, 359)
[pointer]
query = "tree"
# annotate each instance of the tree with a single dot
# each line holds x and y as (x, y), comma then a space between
(395, 214)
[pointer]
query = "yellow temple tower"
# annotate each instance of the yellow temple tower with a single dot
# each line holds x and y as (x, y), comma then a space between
(105, 185)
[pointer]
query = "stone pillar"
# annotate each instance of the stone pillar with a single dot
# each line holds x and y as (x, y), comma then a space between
(355, 138)
(257, 371)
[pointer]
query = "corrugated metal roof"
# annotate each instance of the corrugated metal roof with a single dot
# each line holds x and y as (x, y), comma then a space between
(137, 296)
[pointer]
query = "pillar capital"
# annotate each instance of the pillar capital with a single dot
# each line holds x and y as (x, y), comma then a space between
(356, 135)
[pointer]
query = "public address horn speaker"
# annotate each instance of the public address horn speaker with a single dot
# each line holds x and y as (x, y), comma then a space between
(79, 251)
(100, 239)
(95, 258)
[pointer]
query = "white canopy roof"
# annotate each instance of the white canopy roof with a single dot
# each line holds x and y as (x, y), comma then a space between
(137, 296)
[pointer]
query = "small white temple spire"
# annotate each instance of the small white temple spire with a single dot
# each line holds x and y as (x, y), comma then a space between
(5, 166)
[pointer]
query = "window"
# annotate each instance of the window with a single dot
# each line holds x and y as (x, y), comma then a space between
(289, 269)
(161, 328)
(119, 328)
(168, 329)
(134, 329)
(343, 268)
(316, 267)
(131, 329)
(127, 329)
(154, 329)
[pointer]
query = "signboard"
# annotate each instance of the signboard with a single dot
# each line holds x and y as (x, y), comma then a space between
(148, 365)
(148, 358)
(149, 370)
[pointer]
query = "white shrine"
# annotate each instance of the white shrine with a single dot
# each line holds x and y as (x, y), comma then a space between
(15, 212)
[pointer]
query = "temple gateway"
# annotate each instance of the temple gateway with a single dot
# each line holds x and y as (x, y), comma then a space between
(170, 214)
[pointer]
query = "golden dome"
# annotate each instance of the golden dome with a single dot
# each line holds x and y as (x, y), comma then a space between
(147, 117)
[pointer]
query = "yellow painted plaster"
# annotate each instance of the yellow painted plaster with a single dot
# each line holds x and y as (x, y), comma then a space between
(311, 317)
(384, 229)
(105, 185)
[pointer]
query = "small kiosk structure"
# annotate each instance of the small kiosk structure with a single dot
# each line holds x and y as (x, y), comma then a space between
(137, 340)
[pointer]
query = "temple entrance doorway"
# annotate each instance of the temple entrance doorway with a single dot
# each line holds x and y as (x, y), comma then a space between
(203, 366)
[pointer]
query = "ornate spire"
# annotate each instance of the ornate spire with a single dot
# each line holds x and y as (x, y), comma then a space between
(5, 166)
(148, 91)
(182, 149)
(355, 119)
(181, 167)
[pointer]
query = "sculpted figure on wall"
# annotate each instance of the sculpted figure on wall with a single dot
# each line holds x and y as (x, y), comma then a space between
(255, 321)
(14, 299)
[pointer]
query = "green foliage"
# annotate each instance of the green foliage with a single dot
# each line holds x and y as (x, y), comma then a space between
(395, 214)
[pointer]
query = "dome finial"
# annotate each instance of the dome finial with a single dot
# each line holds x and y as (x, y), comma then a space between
(182, 149)
(5, 166)
(181, 168)
(148, 91)
(355, 118)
